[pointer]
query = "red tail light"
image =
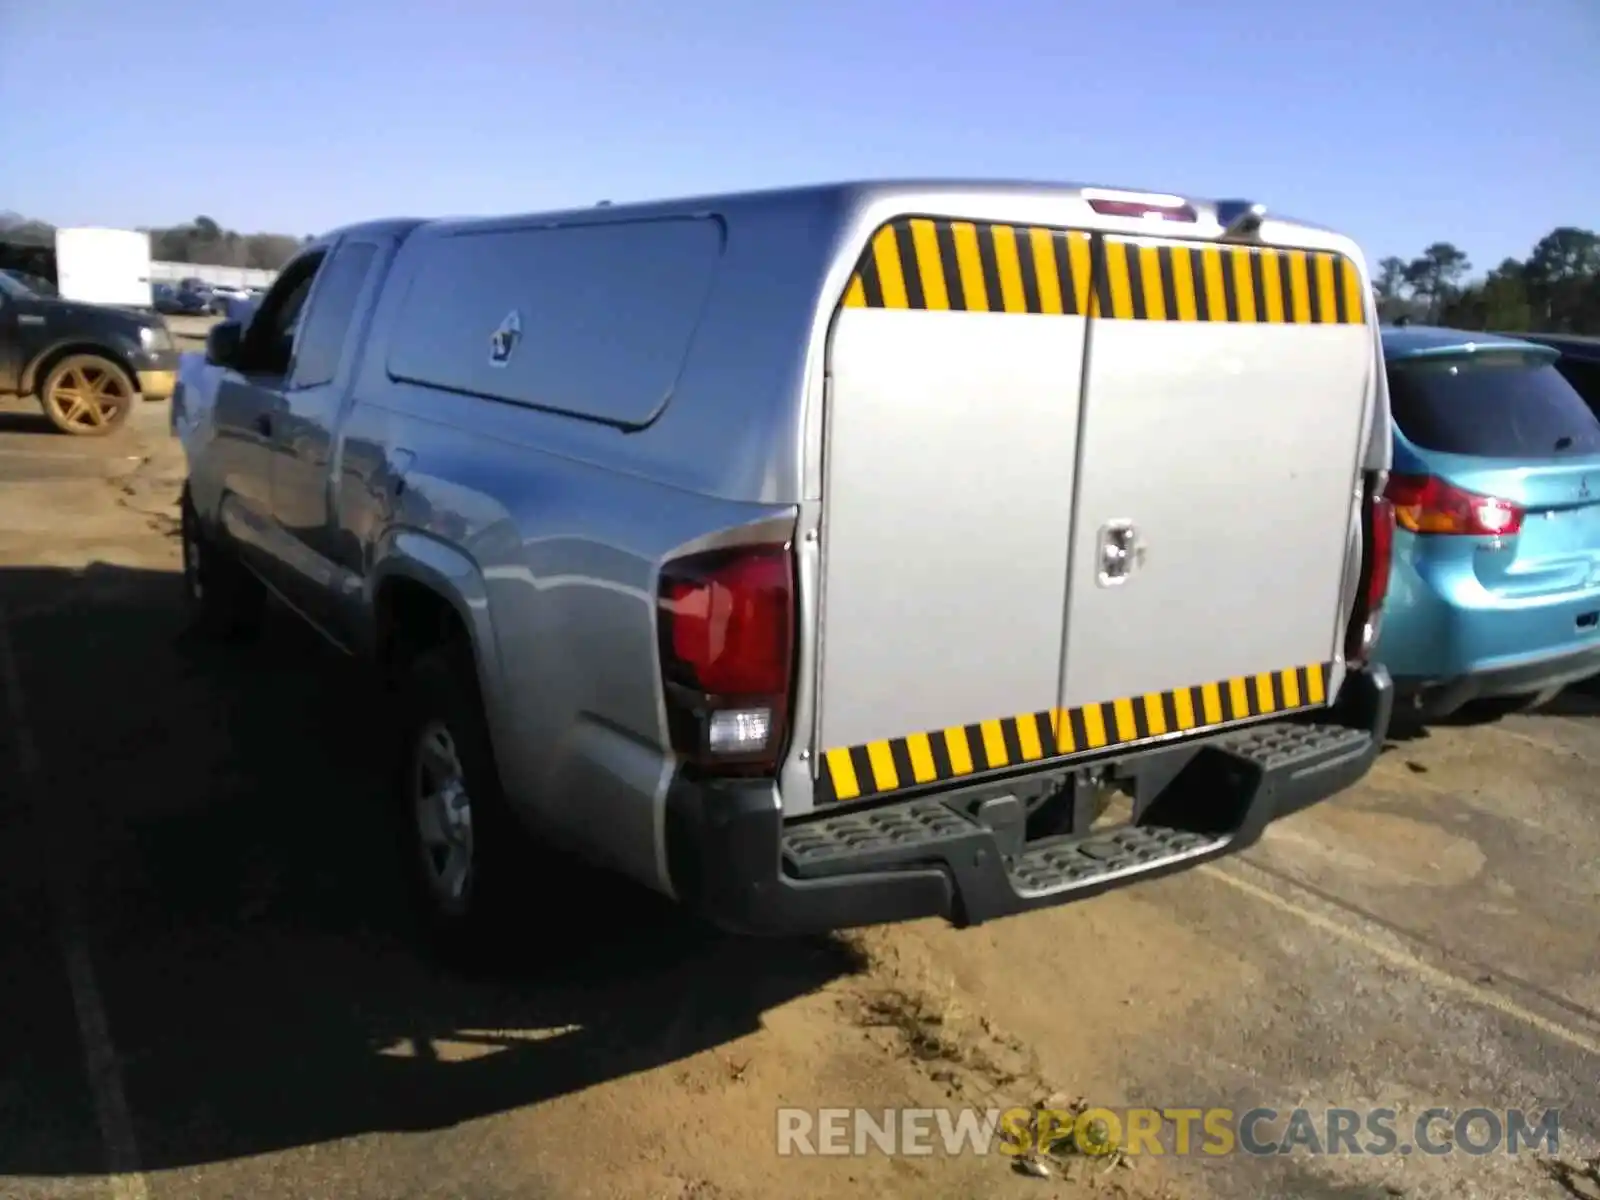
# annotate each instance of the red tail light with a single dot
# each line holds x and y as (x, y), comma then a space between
(1427, 504)
(1381, 533)
(726, 624)
(1378, 557)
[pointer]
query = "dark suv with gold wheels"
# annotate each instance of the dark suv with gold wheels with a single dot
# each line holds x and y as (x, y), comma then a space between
(86, 363)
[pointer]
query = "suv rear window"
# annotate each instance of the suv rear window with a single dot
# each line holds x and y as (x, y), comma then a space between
(1584, 375)
(1491, 405)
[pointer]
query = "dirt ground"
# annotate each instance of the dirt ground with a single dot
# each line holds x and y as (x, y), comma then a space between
(207, 989)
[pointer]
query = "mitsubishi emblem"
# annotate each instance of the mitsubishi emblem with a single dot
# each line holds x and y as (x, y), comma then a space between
(505, 339)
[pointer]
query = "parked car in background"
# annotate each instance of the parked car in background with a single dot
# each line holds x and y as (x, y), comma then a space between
(1495, 585)
(196, 287)
(1579, 362)
(86, 363)
(239, 308)
(182, 302)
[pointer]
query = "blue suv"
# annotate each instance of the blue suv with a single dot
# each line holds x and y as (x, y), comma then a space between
(1494, 588)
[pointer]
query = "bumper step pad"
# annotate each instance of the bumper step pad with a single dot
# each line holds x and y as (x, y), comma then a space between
(1286, 747)
(865, 841)
(1056, 866)
(928, 831)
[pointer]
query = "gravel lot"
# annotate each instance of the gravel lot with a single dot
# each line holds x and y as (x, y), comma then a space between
(210, 991)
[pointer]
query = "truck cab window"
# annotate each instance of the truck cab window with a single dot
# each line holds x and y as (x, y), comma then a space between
(268, 346)
(320, 333)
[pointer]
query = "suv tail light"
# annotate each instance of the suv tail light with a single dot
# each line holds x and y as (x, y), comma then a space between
(1380, 527)
(1427, 504)
(1377, 559)
(726, 623)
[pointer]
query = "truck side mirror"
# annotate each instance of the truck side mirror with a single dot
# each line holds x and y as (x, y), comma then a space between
(222, 343)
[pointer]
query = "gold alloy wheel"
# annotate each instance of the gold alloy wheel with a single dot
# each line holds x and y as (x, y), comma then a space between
(87, 395)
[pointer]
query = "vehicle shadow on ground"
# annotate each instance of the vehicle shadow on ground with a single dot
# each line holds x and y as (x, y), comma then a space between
(222, 814)
(1581, 699)
(27, 422)
(1404, 726)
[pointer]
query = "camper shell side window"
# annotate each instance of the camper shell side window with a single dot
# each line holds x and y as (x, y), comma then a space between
(590, 320)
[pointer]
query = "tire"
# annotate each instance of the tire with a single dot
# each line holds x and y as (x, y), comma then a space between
(224, 600)
(87, 395)
(466, 855)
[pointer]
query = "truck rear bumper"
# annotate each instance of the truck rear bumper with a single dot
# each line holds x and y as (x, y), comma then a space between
(961, 855)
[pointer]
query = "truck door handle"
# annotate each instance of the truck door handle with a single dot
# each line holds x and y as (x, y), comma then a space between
(1120, 552)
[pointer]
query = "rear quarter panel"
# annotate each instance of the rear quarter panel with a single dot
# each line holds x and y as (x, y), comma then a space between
(555, 562)
(562, 523)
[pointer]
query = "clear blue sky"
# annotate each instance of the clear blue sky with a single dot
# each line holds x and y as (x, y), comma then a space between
(1399, 121)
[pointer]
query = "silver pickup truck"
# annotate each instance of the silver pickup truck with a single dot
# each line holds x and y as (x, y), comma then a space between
(821, 557)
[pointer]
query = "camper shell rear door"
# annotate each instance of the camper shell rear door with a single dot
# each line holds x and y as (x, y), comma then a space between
(949, 468)
(1082, 491)
(1227, 390)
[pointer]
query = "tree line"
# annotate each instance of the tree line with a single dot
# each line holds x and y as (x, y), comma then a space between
(1556, 289)
(202, 241)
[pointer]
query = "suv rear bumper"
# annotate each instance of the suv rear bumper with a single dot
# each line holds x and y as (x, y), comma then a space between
(1436, 699)
(734, 858)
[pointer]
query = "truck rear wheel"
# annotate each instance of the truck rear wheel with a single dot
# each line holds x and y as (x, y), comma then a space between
(465, 849)
(224, 600)
(87, 395)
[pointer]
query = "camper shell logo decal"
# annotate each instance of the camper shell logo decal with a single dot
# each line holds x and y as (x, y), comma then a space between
(504, 340)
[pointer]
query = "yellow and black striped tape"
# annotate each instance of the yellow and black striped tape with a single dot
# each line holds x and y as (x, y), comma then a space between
(963, 266)
(894, 764)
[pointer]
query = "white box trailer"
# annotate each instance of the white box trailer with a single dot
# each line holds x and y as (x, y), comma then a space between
(104, 266)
